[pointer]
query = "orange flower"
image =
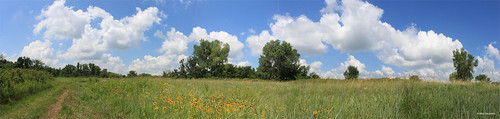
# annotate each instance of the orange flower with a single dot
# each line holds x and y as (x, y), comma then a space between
(315, 112)
(156, 108)
(282, 116)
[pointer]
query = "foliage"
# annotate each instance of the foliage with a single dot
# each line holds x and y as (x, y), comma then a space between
(314, 75)
(145, 75)
(482, 78)
(414, 78)
(279, 61)
(132, 73)
(464, 64)
(351, 73)
(210, 98)
(18, 83)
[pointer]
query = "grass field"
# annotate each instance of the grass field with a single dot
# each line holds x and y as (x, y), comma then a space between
(237, 98)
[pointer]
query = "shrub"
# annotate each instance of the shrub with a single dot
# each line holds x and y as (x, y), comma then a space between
(18, 83)
(351, 73)
(482, 78)
(414, 78)
(132, 73)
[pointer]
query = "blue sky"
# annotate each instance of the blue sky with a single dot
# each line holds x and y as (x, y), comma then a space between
(383, 38)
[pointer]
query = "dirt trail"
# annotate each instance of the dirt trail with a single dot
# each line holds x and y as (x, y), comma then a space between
(57, 106)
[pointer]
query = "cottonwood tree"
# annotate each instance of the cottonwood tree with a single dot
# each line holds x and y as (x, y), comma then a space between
(464, 64)
(279, 61)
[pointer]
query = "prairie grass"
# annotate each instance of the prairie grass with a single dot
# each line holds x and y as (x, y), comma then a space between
(251, 98)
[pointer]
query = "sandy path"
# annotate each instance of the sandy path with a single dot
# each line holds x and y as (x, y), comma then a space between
(57, 106)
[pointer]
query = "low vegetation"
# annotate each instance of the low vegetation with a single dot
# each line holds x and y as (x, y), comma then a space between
(18, 83)
(143, 97)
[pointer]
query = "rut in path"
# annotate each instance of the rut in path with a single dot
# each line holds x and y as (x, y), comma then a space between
(57, 106)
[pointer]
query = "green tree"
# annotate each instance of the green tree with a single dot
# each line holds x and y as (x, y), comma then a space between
(482, 78)
(464, 64)
(208, 60)
(69, 70)
(132, 73)
(351, 72)
(279, 61)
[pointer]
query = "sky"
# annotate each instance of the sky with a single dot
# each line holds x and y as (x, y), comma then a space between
(383, 38)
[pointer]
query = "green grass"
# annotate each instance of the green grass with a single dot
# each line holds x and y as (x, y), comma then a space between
(236, 98)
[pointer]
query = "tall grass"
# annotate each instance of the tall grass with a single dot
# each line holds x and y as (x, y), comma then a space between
(178, 98)
(18, 83)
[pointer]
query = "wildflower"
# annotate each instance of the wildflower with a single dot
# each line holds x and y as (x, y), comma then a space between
(282, 116)
(315, 112)
(156, 108)
(307, 109)
(143, 114)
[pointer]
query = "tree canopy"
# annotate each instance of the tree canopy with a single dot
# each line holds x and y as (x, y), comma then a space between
(351, 72)
(464, 64)
(279, 61)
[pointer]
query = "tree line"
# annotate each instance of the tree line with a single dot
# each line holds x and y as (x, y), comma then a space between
(279, 61)
(80, 70)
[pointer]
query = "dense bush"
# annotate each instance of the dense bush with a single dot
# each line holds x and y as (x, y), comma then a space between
(351, 73)
(18, 83)
(482, 78)
(414, 78)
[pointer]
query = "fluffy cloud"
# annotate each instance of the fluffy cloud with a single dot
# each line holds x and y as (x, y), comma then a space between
(41, 51)
(302, 33)
(235, 51)
(388, 71)
(61, 22)
(338, 72)
(354, 25)
(174, 48)
(256, 43)
(487, 65)
(492, 51)
(90, 44)
(156, 65)
(175, 42)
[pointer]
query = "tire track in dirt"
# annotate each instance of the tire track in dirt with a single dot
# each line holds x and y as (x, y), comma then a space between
(57, 106)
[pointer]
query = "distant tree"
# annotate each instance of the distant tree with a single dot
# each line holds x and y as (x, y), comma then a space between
(279, 61)
(145, 75)
(314, 75)
(104, 73)
(85, 70)
(69, 70)
(482, 78)
(464, 64)
(132, 73)
(94, 69)
(38, 65)
(24, 62)
(4, 63)
(351, 73)
(414, 78)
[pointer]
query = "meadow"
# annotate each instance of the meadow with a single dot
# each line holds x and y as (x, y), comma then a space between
(252, 98)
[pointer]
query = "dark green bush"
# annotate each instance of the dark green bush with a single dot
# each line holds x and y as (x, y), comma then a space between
(18, 83)
(414, 78)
